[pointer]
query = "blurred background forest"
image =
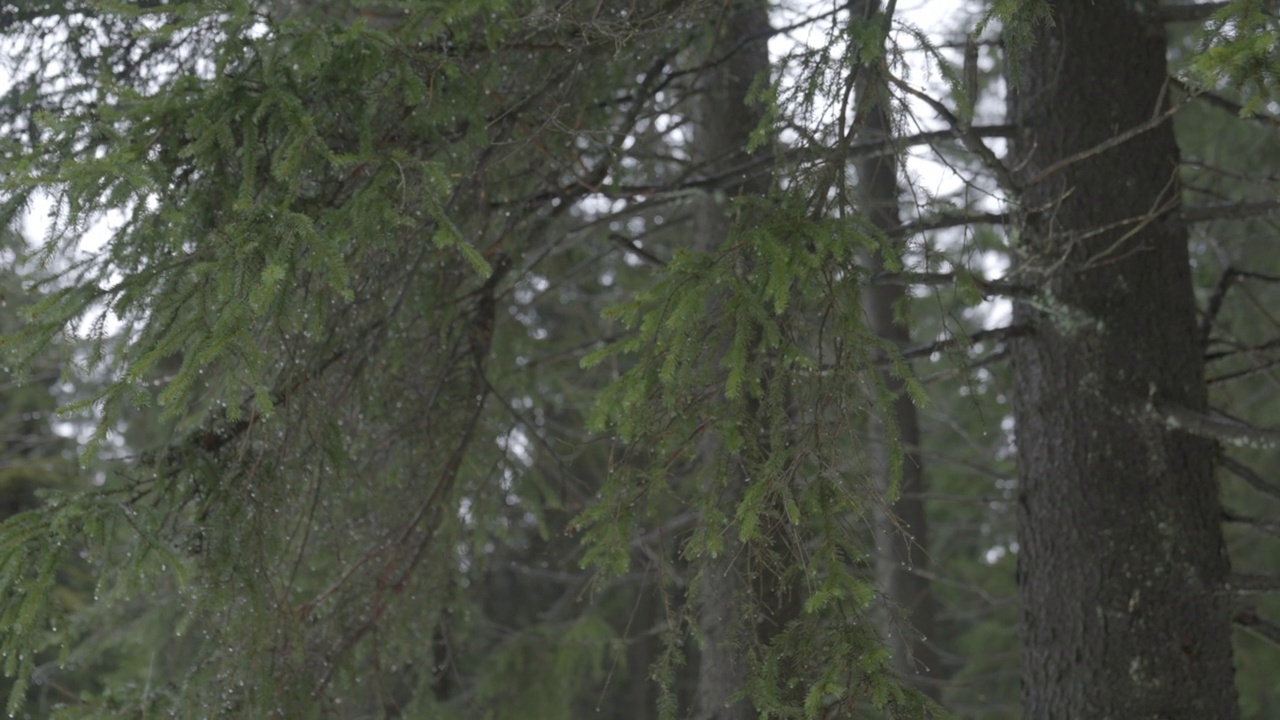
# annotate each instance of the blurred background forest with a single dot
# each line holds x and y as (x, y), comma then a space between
(617, 358)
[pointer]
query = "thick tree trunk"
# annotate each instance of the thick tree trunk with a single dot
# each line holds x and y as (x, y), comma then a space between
(1121, 558)
(725, 123)
(902, 532)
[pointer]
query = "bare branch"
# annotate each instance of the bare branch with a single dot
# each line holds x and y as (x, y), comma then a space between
(1248, 618)
(1220, 289)
(1244, 373)
(1251, 476)
(1264, 359)
(627, 244)
(1251, 350)
(966, 135)
(1255, 275)
(997, 334)
(986, 287)
(919, 351)
(1229, 211)
(1266, 525)
(1228, 431)
(948, 220)
(1254, 583)
(1191, 215)
(730, 178)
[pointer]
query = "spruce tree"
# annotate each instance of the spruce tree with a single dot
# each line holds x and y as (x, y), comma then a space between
(482, 359)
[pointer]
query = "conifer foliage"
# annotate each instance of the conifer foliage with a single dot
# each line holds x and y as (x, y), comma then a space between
(413, 386)
(315, 214)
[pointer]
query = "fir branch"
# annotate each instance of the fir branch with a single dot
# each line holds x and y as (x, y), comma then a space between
(404, 555)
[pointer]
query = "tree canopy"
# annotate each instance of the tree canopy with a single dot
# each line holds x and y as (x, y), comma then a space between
(490, 358)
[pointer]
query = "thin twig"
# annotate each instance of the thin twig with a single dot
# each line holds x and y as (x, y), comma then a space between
(1004, 176)
(1112, 141)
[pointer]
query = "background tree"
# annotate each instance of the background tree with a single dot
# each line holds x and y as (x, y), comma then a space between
(902, 530)
(37, 464)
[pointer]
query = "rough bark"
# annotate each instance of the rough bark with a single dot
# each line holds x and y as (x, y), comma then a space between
(725, 123)
(902, 532)
(1121, 558)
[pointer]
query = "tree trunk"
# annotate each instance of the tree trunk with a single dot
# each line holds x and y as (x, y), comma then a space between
(725, 123)
(1121, 559)
(902, 531)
